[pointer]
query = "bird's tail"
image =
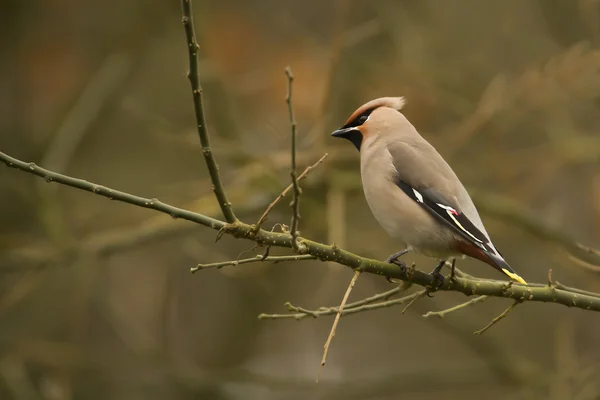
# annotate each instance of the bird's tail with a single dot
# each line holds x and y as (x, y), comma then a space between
(502, 266)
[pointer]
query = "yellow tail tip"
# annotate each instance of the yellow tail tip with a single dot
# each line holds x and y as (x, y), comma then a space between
(514, 276)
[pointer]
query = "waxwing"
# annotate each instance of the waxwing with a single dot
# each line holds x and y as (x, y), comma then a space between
(413, 193)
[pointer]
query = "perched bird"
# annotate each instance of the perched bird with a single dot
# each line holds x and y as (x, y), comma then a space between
(413, 193)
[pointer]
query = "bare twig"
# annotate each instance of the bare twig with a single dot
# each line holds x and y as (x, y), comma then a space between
(336, 321)
(466, 304)
(584, 264)
(111, 194)
(498, 318)
(257, 258)
(369, 300)
(419, 295)
(352, 308)
(303, 175)
(213, 168)
(570, 289)
(296, 200)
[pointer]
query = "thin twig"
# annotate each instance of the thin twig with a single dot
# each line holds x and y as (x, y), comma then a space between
(373, 299)
(498, 318)
(570, 289)
(419, 295)
(336, 321)
(303, 175)
(109, 193)
(584, 264)
(213, 168)
(257, 258)
(296, 200)
(301, 313)
(466, 304)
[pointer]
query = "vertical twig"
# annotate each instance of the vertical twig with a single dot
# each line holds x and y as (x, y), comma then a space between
(296, 200)
(336, 321)
(303, 175)
(213, 168)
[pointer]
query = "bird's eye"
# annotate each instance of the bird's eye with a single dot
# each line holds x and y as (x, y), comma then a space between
(362, 119)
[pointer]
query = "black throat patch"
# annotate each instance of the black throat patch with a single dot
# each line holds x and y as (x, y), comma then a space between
(355, 137)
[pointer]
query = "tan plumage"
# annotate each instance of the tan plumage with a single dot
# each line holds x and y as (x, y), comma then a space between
(411, 190)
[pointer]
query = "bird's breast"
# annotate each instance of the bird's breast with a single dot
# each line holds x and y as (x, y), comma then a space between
(400, 216)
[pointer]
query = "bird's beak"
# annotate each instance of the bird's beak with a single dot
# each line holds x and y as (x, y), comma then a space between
(343, 133)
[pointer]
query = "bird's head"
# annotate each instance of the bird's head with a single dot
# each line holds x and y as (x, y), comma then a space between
(374, 114)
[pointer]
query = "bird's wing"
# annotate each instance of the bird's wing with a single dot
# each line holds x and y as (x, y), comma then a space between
(448, 214)
(428, 180)
(421, 167)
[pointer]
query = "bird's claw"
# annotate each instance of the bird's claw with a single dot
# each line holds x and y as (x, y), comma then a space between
(438, 277)
(394, 260)
(439, 280)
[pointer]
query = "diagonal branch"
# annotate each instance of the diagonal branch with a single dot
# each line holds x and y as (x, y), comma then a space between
(109, 193)
(213, 168)
(442, 313)
(498, 318)
(303, 175)
(336, 321)
(564, 295)
(258, 258)
(367, 304)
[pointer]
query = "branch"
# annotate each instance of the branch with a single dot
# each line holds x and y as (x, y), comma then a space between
(257, 258)
(352, 308)
(466, 304)
(498, 318)
(338, 315)
(213, 168)
(303, 175)
(296, 200)
(111, 194)
(533, 292)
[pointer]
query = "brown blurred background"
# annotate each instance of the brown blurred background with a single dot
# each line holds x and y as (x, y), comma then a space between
(96, 298)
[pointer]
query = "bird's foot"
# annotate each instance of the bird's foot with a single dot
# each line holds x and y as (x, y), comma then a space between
(438, 277)
(453, 270)
(393, 259)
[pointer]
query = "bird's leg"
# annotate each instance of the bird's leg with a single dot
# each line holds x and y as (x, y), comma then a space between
(452, 270)
(393, 259)
(437, 275)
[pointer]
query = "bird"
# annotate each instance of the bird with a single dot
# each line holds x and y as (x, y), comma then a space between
(412, 191)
